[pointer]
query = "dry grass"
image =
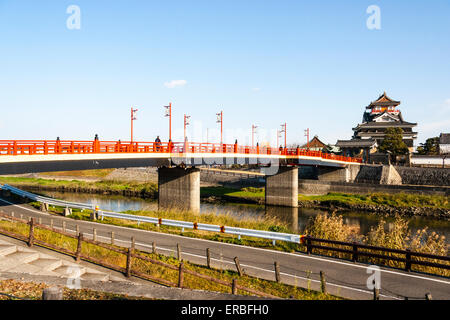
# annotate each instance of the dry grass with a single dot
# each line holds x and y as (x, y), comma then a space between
(33, 291)
(395, 235)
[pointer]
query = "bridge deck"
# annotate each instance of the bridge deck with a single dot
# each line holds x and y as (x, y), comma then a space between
(44, 156)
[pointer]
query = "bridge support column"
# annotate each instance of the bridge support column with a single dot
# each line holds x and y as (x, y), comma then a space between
(282, 188)
(179, 188)
(336, 174)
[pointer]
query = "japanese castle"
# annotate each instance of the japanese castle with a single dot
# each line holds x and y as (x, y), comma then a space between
(377, 118)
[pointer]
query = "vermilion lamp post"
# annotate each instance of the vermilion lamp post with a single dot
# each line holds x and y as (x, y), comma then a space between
(133, 117)
(186, 123)
(253, 134)
(169, 114)
(220, 120)
(283, 129)
(278, 138)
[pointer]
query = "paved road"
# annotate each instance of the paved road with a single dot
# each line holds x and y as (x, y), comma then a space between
(344, 278)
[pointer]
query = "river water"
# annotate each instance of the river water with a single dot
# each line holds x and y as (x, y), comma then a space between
(296, 218)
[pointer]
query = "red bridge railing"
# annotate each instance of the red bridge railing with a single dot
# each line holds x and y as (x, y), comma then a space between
(45, 147)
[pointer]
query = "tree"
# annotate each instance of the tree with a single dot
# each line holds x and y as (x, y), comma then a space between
(327, 149)
(393, 143)
(430, 147)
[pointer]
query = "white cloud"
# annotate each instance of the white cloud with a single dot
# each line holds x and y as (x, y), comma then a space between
(447, 102)
(256, 89)
(175, 83)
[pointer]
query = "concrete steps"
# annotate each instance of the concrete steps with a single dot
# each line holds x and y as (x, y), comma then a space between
(18, 259)
(7, 249)
(23, 256)
(47, 264)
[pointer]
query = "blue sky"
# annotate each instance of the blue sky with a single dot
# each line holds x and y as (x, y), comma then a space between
(308, 63)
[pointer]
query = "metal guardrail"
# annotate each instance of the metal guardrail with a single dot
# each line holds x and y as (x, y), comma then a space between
(50, 201)
(270, 235)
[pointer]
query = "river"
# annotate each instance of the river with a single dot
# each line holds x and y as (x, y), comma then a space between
(296, 218)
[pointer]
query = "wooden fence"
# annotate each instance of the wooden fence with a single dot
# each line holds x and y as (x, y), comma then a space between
(130, 254)
(357, 250)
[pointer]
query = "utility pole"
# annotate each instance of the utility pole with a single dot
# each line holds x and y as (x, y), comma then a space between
(133, 117)
(307, 138)
(253, 133)
(220, 120)
(169, 114)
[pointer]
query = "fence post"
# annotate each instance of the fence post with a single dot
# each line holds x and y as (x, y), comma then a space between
(234, 287)
(129, 257)
(323, 283)
(180, 275)
(238, 266)
(78, 253)
(77, 229)
(64, 226)
(208, 258)
(31, 235)
(51, 224)
(94, 234)
(408, 260)
(308, 246)
(112, 237)
(154, 247)
(277, 271)
(355, 252)
(179, 252)
(376, 292)
(428, 296)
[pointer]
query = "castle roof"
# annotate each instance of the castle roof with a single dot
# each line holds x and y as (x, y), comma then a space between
(356, 143)
(383, 101)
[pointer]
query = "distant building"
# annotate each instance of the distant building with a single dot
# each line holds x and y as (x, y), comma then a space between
(314, 144)
(379, 115)
(357, 148)
(444, 143)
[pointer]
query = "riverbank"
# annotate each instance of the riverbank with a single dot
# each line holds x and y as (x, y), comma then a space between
(408, 205)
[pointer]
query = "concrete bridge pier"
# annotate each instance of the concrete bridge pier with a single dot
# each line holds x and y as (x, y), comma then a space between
(282, 188)
(337, 174)
(179, 188)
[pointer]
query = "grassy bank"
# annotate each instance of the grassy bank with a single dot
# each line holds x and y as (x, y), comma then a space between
(399, 200)
(190, 282)
(223, 219)
(96, 173)
(147, 190)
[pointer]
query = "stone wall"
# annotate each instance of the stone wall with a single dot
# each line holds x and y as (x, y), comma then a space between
(314, 187)
(425, 176)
